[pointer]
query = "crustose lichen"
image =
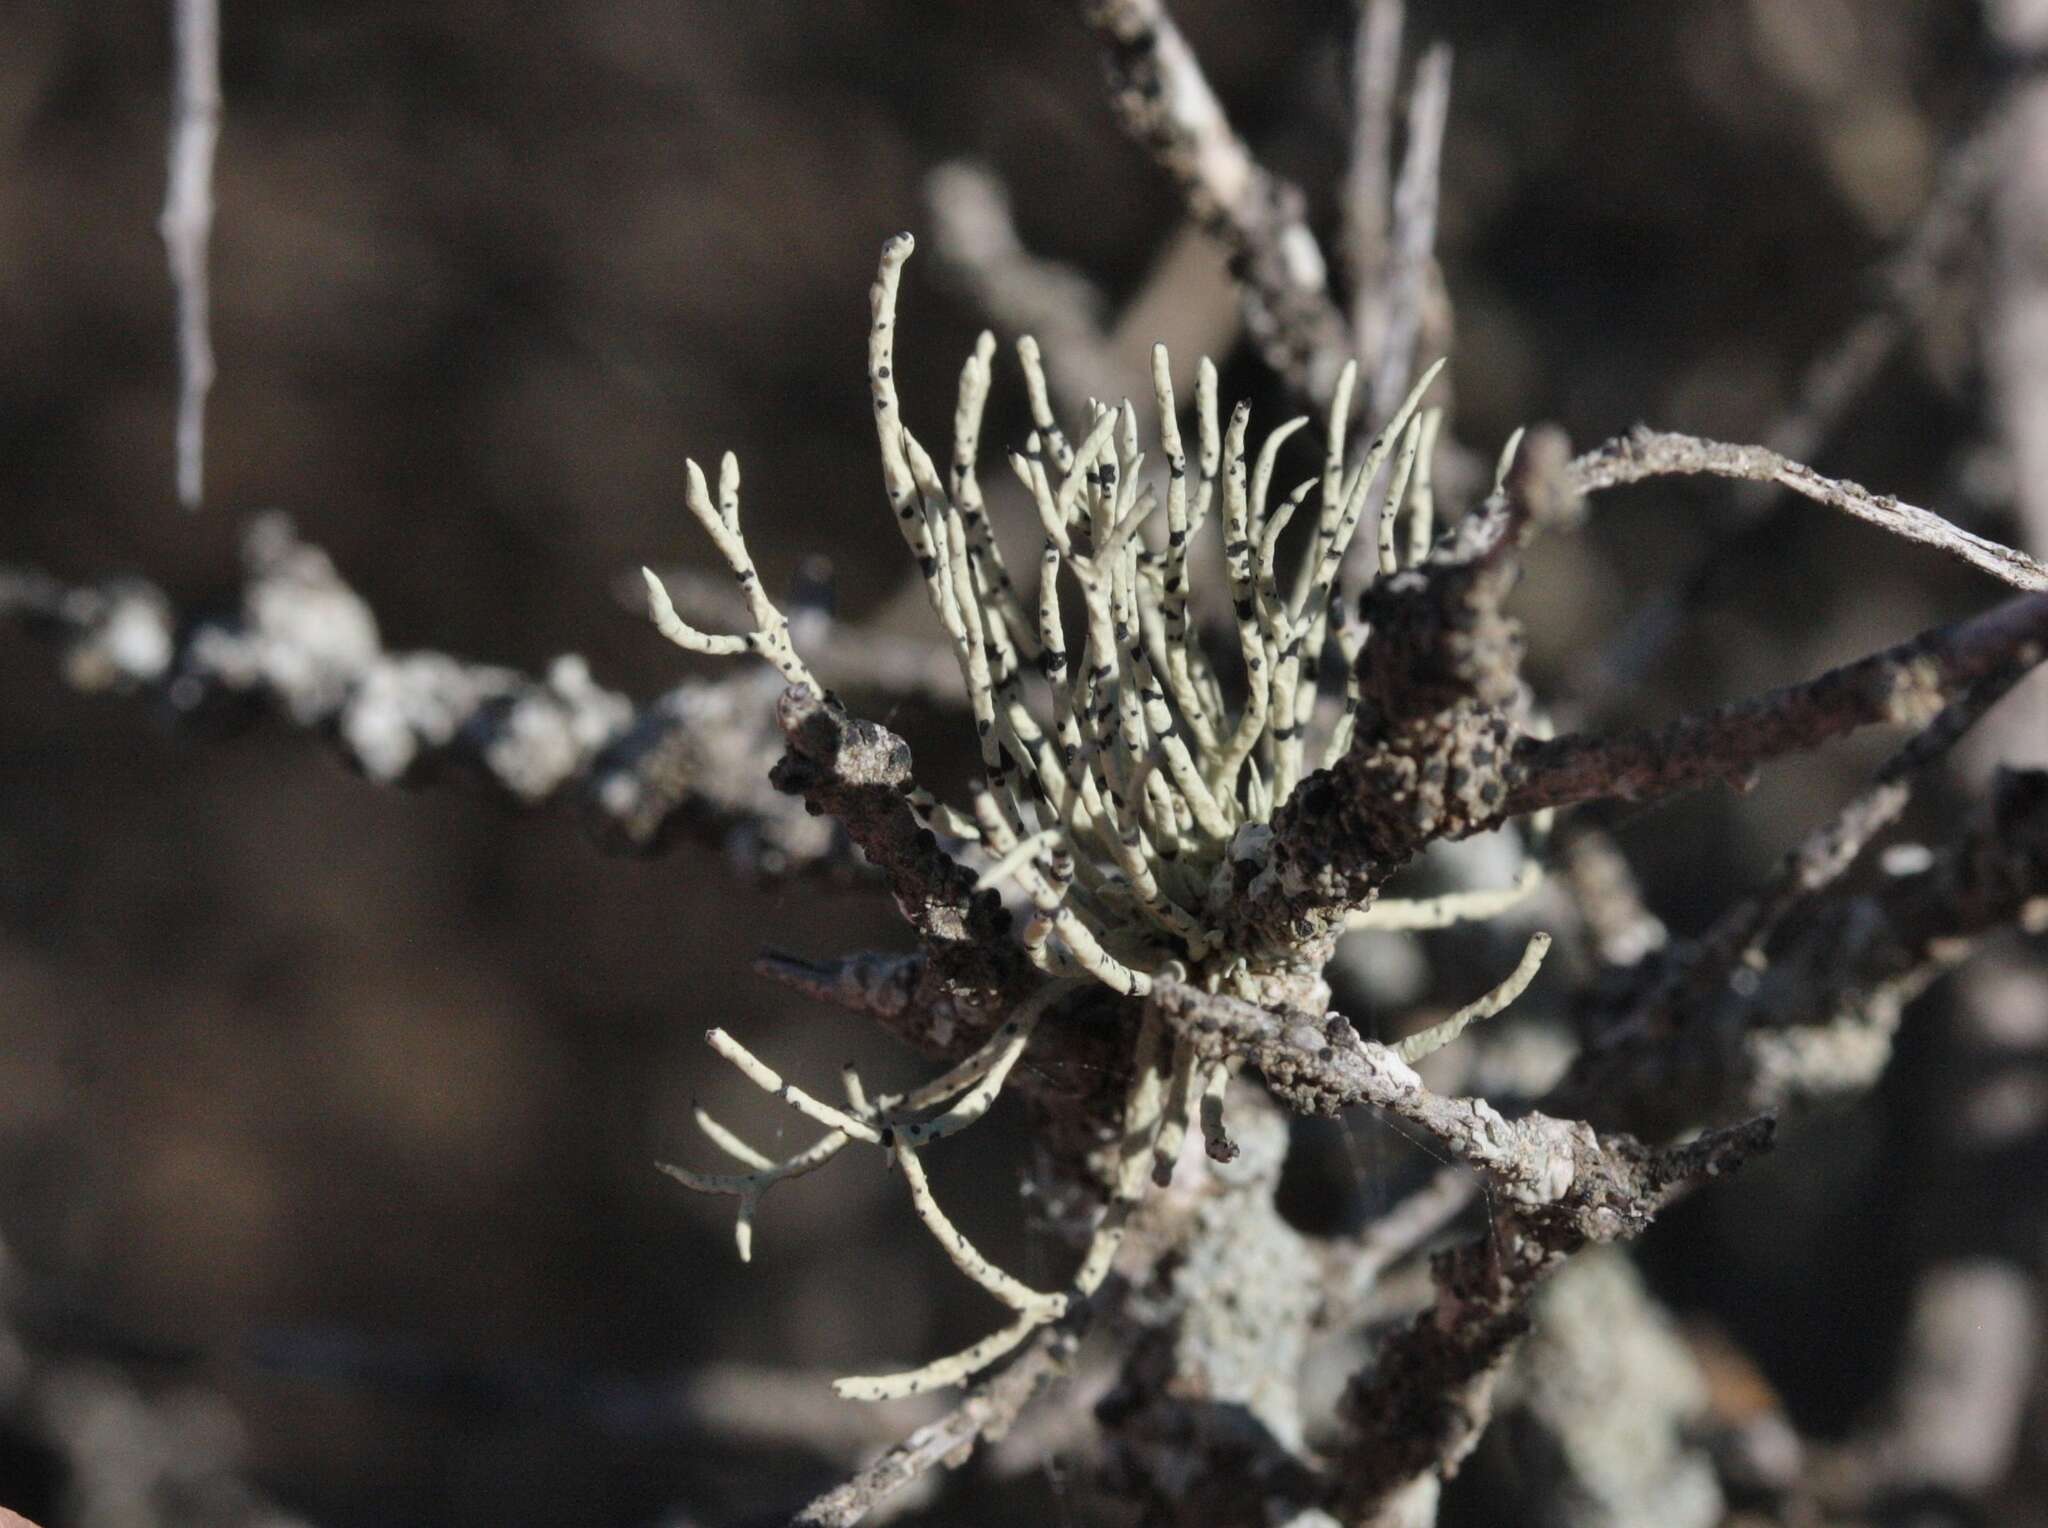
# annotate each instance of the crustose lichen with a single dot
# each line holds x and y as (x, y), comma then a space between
(1122, 794)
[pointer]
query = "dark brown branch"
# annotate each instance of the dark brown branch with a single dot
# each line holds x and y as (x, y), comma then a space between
(1904, 685)
(859, 773)
(890, 989)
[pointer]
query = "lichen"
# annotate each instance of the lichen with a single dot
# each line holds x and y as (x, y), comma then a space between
(1121, 792)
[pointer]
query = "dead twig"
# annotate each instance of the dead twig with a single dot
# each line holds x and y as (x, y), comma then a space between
(1165, 103)
(1655, 453)
(1908, 684)
(1414, 242)
(305, 646)
(187, 223)
(986, 1414)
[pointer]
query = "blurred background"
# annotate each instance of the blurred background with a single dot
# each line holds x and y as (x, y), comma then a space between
(328, 1113)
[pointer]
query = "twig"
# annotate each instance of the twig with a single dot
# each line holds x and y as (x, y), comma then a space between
(1906, 284)
(1672, 1013)
(2016, 328)
(1023, 293)
(1556, 1184)
(187, 222)
(1447, 761)
(1824, 854)
(985, 1414)
(305, 646)
(1422, 1406)
(1905, 684)
(1606, 1401)
(1956, 1410)
(1620, 927)
(1375, 79)
(1206, 1423)
(1164, 102)
(1652, 453)
(859, 773)
(1602, 1186)
(1356, 1267)
(1817, 1022)
(1415, 206)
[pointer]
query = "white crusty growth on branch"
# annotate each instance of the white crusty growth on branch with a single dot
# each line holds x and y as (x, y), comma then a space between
(1118, 792)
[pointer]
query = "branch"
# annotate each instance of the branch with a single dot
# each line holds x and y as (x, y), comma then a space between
(1816, 1023)
(1906, 283)
(304, 646)
(1164, 102)
(1375, 79)
(985, 1415)
(1607, 1405)
(1906, 684)
(1654, 453)
(1445, 756)
(1023, 293)
(1555, 1186)
(859, 772)
(1738, 936)
(1599, 1187)
(1415, 208)
(1206, 1424)
(187, 222)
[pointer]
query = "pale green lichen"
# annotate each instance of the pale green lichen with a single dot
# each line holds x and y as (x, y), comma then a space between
(1125, 803)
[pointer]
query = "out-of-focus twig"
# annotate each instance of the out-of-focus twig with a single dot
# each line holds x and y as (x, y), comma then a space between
(2016, 331)
(304, 645)
(1354, 1267)
(1955, 1413)
(187, 223)
(1604, 1402)
(986, 1413)
(1187, 302)
(1369, 176)
(1905, 287)
(1414, 241)
(1657, 453)
(1022, 292)
(169, 1452)
(1602, 886)
(1164, 102)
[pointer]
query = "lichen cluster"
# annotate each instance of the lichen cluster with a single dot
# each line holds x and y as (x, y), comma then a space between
(1121, 791)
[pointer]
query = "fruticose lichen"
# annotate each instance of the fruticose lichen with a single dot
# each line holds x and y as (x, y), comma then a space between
(1121, 792)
